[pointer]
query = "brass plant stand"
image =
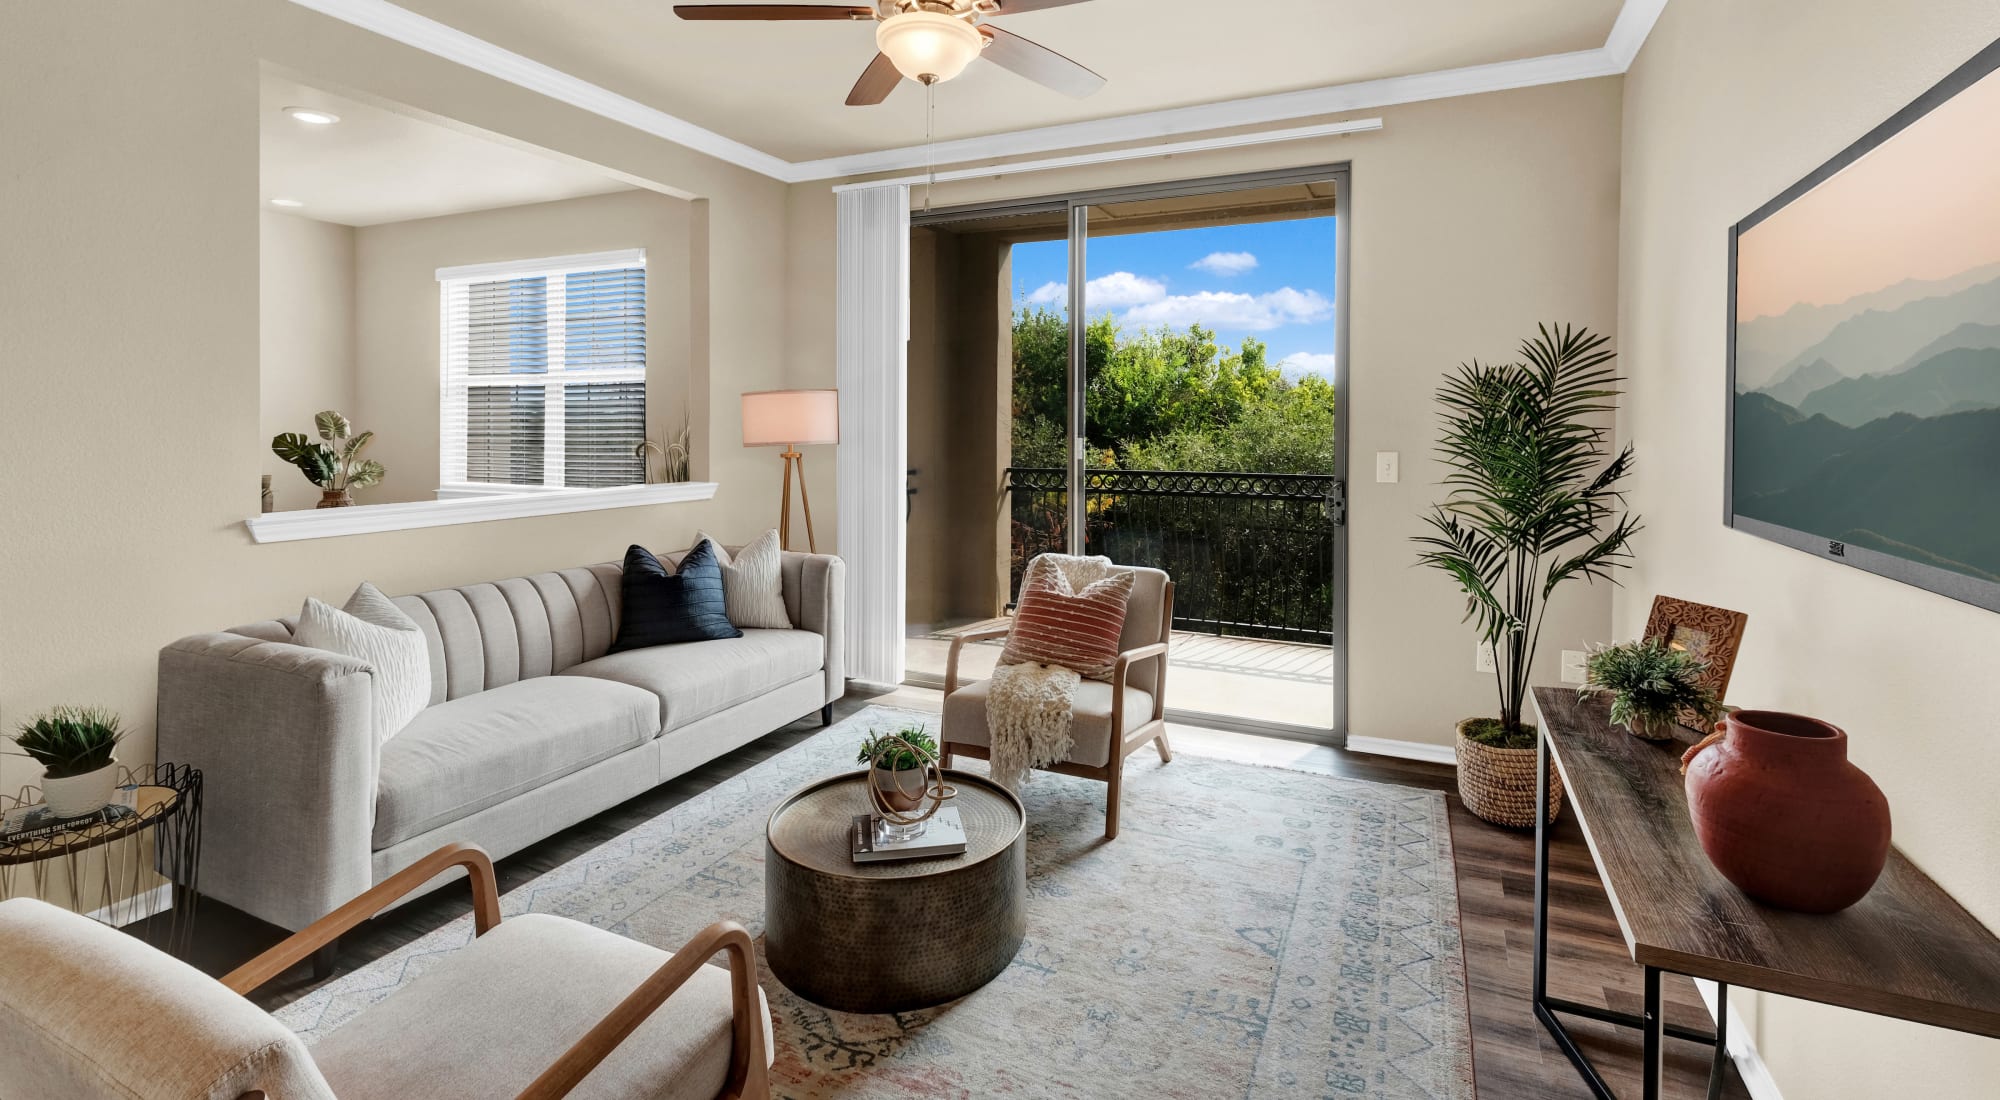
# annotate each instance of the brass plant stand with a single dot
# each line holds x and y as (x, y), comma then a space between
(891, 937)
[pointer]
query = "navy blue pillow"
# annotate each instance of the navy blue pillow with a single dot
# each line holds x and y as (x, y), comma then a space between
(663, 607)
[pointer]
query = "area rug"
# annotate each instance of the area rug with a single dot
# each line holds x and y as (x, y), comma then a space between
(1253, 932)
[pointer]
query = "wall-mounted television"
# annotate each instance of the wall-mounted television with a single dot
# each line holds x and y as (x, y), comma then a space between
(1864, 350)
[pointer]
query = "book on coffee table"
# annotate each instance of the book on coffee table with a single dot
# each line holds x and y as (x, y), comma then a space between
(943, 835)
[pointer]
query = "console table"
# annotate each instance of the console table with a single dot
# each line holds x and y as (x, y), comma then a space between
(1907, 950)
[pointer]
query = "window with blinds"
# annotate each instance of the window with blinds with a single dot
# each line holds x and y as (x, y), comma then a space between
(544, 373)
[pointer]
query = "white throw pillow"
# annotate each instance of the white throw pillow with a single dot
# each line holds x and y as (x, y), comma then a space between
(753, 592)
(374, 629)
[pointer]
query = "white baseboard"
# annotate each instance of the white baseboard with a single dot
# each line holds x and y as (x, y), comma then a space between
(132, 910)
(1407, 750)
(1742, 1048)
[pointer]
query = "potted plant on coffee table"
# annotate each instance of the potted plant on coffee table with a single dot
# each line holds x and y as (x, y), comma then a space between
(74, 746)
(900, 762)
(1534, 502)
(1652, 687)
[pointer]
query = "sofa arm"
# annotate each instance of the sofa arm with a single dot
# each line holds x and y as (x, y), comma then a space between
(283, 738)
(816, 598)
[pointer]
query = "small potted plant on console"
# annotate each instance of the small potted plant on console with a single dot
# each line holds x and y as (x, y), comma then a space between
(1652, 685)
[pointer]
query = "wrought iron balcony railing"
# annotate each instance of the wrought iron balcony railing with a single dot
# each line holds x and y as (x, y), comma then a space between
(1251, 554)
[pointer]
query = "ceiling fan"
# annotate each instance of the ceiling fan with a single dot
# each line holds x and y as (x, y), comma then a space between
(929, 41)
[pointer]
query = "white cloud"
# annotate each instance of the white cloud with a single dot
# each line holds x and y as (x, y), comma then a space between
(1226, 264)
(1118, 290)
(1234, 312)
(1308, 362)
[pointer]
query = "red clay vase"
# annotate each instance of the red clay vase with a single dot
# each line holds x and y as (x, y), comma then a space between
(1783, 815)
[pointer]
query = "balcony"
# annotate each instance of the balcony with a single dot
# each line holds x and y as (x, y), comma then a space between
(1252, 557)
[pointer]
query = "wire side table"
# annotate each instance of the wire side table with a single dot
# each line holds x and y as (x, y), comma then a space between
(110, 858)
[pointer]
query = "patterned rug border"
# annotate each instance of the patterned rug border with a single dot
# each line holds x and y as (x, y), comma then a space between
(307, 1015)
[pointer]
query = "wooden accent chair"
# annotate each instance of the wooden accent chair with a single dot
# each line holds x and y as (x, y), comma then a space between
(1110, 720)
(538, 1007)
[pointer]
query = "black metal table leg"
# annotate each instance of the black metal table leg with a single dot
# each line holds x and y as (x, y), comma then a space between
(1715, 1066)
(1649, 1068)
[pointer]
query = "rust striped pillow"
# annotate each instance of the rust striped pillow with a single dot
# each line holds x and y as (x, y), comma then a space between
(1054, 625)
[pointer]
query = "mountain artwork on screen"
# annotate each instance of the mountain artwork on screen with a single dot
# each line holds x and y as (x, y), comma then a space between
(1867, 365)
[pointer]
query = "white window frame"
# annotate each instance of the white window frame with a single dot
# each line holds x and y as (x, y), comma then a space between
(454, 385)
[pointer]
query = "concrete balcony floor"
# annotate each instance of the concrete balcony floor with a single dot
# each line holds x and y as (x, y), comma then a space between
(1286, 683)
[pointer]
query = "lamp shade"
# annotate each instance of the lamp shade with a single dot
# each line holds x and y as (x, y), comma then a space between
(780, 418)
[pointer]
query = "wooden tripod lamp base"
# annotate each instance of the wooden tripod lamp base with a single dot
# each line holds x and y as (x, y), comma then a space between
(792, 419)
(794, 459)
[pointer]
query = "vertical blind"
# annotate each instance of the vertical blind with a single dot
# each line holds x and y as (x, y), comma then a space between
(544, 372)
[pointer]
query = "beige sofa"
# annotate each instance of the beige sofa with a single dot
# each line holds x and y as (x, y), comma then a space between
(532, 727)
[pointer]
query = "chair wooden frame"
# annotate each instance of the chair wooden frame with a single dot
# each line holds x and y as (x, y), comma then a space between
(1112, 773)
(749, 1076)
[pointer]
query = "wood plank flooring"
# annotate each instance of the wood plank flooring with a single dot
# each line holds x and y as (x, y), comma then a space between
(1512, 1058)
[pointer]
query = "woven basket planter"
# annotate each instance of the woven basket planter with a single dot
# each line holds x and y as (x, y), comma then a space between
(1499, 784)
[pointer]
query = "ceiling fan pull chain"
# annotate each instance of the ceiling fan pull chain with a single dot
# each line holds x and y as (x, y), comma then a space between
(930, 141)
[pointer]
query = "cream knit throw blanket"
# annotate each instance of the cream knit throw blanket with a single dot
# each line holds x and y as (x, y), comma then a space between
(1028, 706)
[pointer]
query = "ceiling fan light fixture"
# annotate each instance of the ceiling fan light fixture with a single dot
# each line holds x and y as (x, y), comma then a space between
(928, 47)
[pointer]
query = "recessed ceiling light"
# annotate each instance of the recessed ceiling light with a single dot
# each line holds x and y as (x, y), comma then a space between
(287, 203)
(313, 116)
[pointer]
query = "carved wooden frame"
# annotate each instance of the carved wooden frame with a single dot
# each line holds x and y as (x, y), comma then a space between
(1723, 627)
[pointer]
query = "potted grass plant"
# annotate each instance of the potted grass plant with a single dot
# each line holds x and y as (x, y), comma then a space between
(898, 761)
(74, 746)
(1533, 503)
(1652, 687)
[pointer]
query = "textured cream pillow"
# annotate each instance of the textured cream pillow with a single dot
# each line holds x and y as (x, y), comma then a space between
(753, 592)
(374, 629)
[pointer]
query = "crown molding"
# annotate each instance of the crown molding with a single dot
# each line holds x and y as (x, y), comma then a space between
(452, 44)
(1628, 34)
(1635, 21)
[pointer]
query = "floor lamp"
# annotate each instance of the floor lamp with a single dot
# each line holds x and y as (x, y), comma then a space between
(792, 419)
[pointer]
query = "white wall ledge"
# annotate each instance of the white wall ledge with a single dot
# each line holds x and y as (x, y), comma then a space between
(368, 519)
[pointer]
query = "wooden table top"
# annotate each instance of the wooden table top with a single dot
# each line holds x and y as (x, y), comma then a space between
(814, 826)
(1907, 950)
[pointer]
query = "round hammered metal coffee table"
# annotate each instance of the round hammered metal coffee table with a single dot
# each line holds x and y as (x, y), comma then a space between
(890, 937)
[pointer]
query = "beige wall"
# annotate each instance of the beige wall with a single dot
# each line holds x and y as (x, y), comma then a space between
(1474, 218)
(135, 452)
(396, 319)
(1728, 105)
(305, 338)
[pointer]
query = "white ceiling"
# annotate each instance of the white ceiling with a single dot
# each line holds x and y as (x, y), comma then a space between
(779, 87)
(377, 166)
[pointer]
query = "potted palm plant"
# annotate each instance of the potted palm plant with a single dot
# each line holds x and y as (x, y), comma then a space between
(74, 746)
(335, 465)
(1534, 502)
(1652, 686)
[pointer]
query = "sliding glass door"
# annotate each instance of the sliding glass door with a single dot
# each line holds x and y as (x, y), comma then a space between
(1171, 392)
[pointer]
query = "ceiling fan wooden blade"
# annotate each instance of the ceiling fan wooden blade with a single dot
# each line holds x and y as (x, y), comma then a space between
(877, 81)
(1038, 63)
(771, 11)
(1016, 7)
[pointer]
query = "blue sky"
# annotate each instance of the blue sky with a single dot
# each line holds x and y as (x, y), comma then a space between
(1271, 280)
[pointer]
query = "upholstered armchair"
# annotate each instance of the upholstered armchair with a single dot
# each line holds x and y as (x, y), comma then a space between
(537, 1007)
(1110, 720)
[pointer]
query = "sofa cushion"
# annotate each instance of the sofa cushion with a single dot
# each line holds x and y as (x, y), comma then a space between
(1090, 722)
(693, 680)
(485, 1020)
(461, 756)
(662, 606)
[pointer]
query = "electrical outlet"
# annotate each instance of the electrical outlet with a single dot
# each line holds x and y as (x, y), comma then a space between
(1482, 658)
(1388, 467)
(1573, 670)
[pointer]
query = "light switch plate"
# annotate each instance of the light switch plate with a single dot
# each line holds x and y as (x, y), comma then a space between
(1482, 658)
(1388, 467)
(1573, 670)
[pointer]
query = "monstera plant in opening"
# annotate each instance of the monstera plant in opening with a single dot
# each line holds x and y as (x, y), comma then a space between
(334, 463)
(1534, 501)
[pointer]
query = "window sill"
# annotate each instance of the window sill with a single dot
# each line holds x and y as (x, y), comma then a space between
(367, 519)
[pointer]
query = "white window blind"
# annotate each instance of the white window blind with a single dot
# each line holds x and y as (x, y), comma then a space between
(543, 372)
